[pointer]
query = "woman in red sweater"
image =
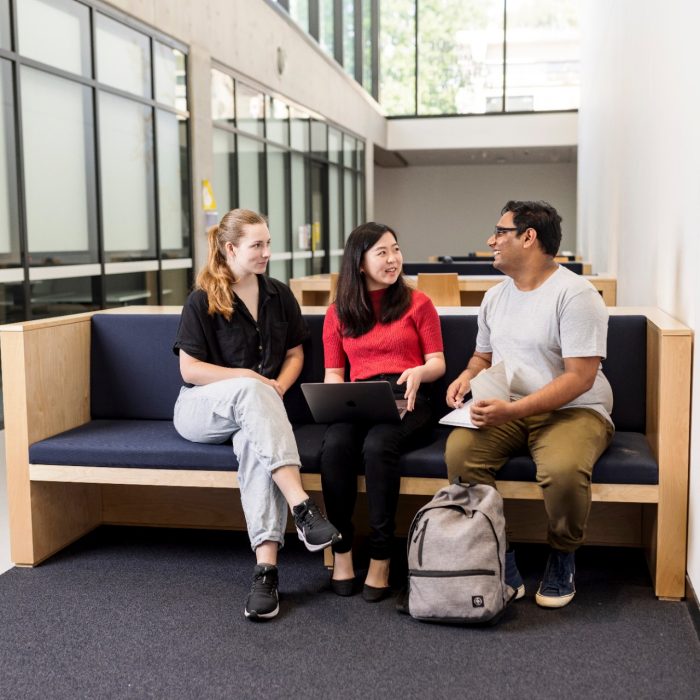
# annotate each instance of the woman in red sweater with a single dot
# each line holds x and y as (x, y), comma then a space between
(384, 330)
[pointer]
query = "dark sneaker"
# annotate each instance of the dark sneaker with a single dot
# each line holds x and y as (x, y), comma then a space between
(557, 586)
(513, 577)
(263, 602)
(313, 528)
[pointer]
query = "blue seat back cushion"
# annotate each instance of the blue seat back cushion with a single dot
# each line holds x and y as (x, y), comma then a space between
(134, 373)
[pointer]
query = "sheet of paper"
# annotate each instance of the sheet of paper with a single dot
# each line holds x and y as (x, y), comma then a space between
(492, 383)
(460, 417)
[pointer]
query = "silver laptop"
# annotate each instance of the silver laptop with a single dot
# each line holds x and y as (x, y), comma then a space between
(353, 402)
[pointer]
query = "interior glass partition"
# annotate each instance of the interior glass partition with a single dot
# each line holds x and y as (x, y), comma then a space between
(291, 165)
(56, 32)
(59, 169)
(9, 214)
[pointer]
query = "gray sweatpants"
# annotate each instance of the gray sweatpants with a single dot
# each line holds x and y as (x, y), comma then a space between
(263, 441)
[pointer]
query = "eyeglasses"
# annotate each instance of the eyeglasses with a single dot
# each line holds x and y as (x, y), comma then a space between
(502, 230)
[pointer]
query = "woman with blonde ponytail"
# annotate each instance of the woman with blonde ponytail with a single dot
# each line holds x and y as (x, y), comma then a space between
(240, 347)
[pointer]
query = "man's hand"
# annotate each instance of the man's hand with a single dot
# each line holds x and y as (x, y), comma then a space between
(491, 413)
(456, 392)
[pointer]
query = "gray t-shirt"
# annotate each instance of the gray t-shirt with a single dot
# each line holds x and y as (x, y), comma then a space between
(532, 332)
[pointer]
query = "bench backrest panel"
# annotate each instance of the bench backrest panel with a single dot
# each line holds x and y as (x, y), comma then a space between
(135, 374)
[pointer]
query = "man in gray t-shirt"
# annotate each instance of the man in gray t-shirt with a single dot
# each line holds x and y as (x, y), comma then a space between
(549, 328)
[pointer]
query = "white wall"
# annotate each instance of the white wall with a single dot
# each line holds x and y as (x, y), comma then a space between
(639, 157)
(444, 210)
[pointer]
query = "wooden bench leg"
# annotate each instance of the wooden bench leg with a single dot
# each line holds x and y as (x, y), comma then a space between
(57, 515)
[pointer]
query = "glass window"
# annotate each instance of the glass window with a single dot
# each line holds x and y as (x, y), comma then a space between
(173, 182)
(222, 103)
(299, 12)
(126, 168)
(335, 234)
(250, 109)
(224, 170)
(542, 69)
(279, 269)
(348, 151)
(301, 228)
(349, 36)
(319, 139)
(12, 303)
(326, 20)
(171, 78)
(250, 173)
(397, 56)
(139, 288)
(349, 202)
(360, 155)
(278, 120)
(278, 211)
(5, 33)
(334, 144)
(367, 45)
(57, 137)
(299, 129)
(123, 57)
(58, 297)
(277, 198)
(56, 32)
(360, 200)
(9, 221)
(175, 286)
(460, 67)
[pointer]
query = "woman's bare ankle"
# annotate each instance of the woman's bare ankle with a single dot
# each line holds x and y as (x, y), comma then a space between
(378, 573)
(343, 566)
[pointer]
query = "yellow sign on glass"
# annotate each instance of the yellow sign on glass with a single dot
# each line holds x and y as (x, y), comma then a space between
(208, 201)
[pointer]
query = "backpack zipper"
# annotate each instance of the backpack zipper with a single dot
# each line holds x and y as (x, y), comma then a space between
(421, 535)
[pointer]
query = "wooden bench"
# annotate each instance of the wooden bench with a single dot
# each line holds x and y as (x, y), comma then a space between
(48, 387)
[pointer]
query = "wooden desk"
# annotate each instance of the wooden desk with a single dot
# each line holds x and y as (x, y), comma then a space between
(314, 289)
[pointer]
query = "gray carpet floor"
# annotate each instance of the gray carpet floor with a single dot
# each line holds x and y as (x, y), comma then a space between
(143, 613)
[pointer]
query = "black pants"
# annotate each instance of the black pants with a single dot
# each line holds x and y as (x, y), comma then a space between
(349, 446)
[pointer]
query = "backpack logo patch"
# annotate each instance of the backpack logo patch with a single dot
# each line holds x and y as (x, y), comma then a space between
(477, 601)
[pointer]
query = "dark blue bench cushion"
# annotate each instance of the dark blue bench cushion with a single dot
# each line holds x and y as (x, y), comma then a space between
(156, 445)
(152, 444)
(133, 371)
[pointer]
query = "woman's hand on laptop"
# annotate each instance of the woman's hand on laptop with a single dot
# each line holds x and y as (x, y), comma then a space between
(412, 377)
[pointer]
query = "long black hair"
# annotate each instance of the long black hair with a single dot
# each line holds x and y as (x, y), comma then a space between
(353, 303)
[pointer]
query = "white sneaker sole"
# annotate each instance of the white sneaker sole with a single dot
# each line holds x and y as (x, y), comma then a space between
(252, 615)
(520, 592)
(548, 601)
(317, 547)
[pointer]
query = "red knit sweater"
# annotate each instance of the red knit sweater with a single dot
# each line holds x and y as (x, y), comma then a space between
(389, 348)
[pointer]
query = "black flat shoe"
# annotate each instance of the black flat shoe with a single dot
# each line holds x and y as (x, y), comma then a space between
(344, 586)
(373, 595)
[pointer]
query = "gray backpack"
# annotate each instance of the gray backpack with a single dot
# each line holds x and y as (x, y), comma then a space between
(456, 557)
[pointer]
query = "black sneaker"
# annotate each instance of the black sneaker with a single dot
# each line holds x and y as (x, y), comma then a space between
(557, 586)
(263, 602)
(513, 577)
(313, 528)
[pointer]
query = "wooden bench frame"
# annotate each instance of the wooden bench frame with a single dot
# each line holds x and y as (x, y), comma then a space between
(46, 378)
